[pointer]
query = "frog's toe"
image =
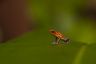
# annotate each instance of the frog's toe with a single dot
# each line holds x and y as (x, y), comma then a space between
(54, 43)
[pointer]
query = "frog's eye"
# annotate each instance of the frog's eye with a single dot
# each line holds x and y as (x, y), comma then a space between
(53, 31)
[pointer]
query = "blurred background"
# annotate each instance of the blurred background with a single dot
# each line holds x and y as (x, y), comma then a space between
(25, 38)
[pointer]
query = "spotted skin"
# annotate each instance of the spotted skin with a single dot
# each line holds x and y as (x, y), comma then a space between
(59, 36)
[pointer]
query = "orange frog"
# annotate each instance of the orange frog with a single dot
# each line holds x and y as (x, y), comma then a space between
(59, 37)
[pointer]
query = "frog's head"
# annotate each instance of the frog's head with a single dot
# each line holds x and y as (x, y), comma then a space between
(52, 30)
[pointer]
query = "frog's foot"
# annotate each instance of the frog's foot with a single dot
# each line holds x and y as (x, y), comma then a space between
(54, 43)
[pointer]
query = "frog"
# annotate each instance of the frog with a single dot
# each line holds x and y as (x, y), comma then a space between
(58, 36)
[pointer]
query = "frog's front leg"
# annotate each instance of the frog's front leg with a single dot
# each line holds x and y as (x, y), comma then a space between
(57, 40)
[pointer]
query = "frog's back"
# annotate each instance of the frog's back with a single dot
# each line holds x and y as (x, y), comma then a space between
(57, 34)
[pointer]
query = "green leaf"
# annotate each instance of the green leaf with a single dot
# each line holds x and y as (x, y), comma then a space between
(36, 48)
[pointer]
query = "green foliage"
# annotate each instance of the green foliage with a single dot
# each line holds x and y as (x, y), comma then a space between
(36, 48)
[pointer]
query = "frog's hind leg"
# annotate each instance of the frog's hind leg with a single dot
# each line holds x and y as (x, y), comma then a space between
(66, 40)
